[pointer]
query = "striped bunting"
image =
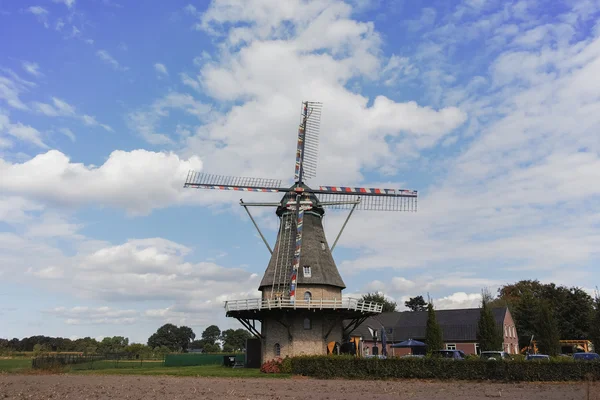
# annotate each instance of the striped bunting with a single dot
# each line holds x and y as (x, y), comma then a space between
(241, 189)
(358, 190)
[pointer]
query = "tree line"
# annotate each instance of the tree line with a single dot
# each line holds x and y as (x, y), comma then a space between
(548, 312)
(168, 338)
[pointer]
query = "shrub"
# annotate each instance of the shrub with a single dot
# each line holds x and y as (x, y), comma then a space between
(435, 368)
(286, 366)
(272, 366)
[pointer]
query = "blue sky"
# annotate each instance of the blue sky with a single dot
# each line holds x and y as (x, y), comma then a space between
(489, 109)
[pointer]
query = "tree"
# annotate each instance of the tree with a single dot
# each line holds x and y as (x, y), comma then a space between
(489, 335)
(235, 340)
(416, 304)
(185, 336)
(547, 334)
(211, 334)
(39, 349)
(377, 297)
(573, 307)
(115, 344)
(173, 337)
(595, 330)
(433, 333)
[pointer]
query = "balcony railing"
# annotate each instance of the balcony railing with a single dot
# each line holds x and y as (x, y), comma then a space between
(267, 304)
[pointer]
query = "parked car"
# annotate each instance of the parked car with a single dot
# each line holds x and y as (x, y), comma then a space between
(495, 355)
(537, 357)
(451, 354)
(586, 356)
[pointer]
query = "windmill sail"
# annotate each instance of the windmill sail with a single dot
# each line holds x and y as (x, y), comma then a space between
(307, 149)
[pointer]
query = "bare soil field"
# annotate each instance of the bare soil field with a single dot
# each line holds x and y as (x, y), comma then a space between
(161, 387)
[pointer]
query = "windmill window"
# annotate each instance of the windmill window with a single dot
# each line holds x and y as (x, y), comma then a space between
(307, 324)
(277, 350)
(307, 296)
(323, 247)
(307, 272)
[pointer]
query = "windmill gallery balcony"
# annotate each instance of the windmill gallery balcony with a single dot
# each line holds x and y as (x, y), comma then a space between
(258, 304)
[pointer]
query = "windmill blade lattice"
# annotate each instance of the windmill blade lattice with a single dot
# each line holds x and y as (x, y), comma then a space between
(307, 149)
(371, 203)
(374, 199)
(200, 180)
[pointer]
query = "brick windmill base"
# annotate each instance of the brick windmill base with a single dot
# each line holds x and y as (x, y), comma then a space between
(302, 328)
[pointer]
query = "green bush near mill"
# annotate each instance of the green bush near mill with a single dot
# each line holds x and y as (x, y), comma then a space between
(434, 368)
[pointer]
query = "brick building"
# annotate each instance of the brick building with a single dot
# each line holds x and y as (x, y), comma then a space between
(459, 329)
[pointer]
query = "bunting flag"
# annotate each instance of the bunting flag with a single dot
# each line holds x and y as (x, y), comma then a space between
(241, 189)
(297, 251)
(360, 190)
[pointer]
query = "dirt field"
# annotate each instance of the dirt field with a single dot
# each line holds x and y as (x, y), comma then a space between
(148, 387)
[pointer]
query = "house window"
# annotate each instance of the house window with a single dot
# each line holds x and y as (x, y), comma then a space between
(477, 351)
(450, 346)
(307, 323)
(307, 296)
(307, 273)
(277, 350)
(323, 247)
(505, 331)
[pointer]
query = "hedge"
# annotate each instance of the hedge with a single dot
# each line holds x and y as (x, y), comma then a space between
(431, 368)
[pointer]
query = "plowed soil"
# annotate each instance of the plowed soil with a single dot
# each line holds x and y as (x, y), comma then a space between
(159, 387)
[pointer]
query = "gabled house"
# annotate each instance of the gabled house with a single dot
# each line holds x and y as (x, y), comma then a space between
(459, 329)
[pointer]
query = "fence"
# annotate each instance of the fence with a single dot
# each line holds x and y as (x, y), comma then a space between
(185, 360)
(104, 361)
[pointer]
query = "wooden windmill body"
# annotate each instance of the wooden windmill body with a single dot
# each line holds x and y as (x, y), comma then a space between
(301, 310)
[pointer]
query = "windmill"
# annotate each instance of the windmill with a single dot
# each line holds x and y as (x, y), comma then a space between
(300, 212)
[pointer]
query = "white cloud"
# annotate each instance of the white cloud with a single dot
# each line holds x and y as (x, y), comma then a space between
(146, 121)
(68, 133)
(458, 300)
(12, 87)
(110, 60)
(137, 181)
(82, 315)
(26, 133)
(189, 81)
(41, 13)
(32, 68)
(19, 131)
(60, 108)
(15, 209)
(37, 10)
(141, 270)
(68, 3)
(270, 62)
(161, 69)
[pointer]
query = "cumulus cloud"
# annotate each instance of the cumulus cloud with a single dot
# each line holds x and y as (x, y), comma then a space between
(137, 181)
(140, 270)
(270, 62)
